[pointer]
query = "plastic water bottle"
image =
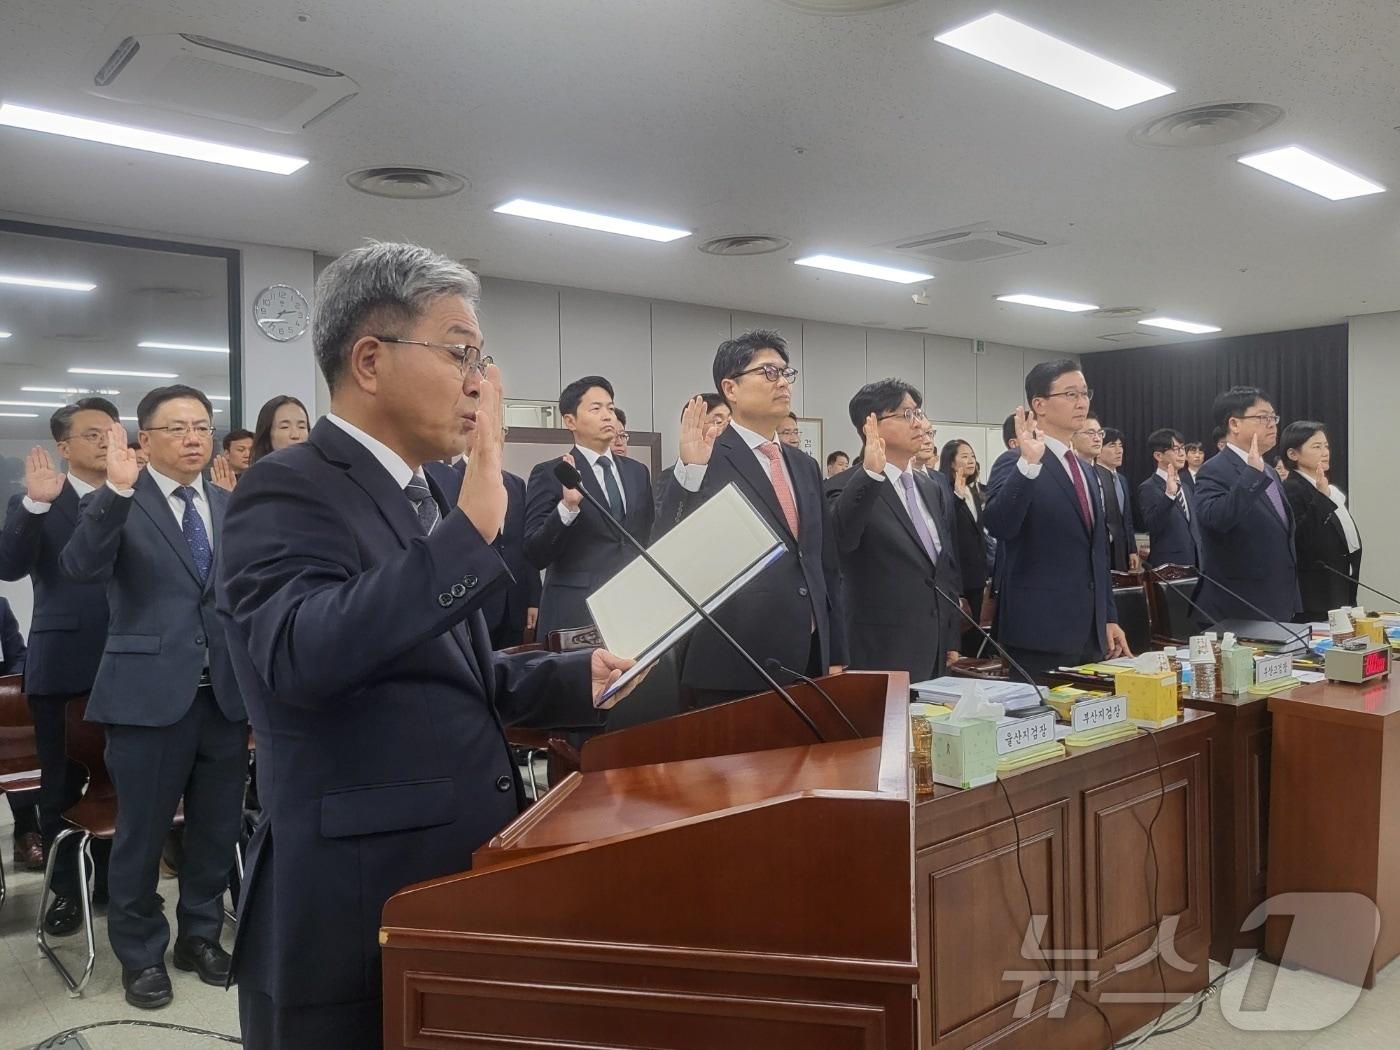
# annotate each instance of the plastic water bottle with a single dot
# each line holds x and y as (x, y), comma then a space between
(1203, 678)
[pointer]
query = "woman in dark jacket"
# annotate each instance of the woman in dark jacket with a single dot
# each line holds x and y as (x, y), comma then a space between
(958, 462)
(1327, 540)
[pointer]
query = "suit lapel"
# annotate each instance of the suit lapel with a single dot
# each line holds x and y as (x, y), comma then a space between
(934, 497)
(369, 474)
(893, 496)
(590, 479)
(745, 463)
(149, 498)
(67, 502)
(459, 631)
(807, 501)
(218, 504)
(1060, 473)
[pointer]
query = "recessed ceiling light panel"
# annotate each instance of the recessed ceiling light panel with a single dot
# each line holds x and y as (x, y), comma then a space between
(1309, 171)
(1045, 303)
(1189, 327)
(23, 281)
(863, 269)
(121, 372)
(151, 345)
(588, 220)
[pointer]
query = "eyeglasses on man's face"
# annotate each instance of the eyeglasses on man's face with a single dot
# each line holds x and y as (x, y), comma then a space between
(180, 431)
(1269, 419)
(1074, 396)
(466, 357)
(92, 436)
(913, 416)
(772, 373)
(1090, 432)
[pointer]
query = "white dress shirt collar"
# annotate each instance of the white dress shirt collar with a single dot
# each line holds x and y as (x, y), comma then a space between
(169, 485)
(1058, 447)
(593, 457)
(390, 460)
(1161, 473)
(752, 439)
(81, 487)
(1241, 452)
(894, 474)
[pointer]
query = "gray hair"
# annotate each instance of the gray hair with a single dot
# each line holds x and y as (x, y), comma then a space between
(379, 286)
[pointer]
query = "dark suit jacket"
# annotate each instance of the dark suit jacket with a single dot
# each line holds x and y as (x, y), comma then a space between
(774, 615)
(1244, 542)
(162, 626)
(895, 620)
(971, 540)
(12, 660)
(1174, 539)
(377, 705)
(1320, 538)
(69, 625)
(504, 609)
(1056, 589)
(1118, 515)
(580, 558)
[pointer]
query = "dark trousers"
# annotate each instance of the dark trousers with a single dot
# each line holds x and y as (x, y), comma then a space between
(204, 759)
(63, 785)
(1036, 661)
(24, 807)
(357, 1025)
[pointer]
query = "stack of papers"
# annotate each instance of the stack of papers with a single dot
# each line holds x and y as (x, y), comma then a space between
(948, 690)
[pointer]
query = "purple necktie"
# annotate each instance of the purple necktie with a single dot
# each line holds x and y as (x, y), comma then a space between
(1276, 498)
(911, 500)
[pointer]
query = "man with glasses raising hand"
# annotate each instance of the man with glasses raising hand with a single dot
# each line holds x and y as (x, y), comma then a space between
(792, 610)
(1245, 521)
(1056, 598)
(165, 689)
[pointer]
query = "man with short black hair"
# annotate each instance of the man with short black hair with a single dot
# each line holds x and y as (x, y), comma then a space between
(792, 610)
(619, 441)
(1195, 456)
(1245, 522)
(1168, 503)
(1043, 505)
(165, 689)
(1117, 503)
(896, 538)
(837, 463)
(1008, 431)
(789, 432)
(567, 538)
(238, 447)
(68, 627)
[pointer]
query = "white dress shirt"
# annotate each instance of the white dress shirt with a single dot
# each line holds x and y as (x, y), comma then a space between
(568, 516)
(691, 475)
(1344, 518)
(175, 502)
(81, 487)
(968, 498)
(390, 460)
(894, 474)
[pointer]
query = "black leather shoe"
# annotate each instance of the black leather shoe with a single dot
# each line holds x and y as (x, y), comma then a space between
(64, 916)
(204, 957)
(148, 989)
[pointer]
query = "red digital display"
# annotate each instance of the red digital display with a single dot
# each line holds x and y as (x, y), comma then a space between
(1376, 662)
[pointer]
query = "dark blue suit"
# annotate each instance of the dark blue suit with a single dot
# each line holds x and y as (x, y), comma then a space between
(378, 709)
(504, 609)
(1056, 595)
(1244, 542)
(1174, 539)
(175, 722)
(67, 632)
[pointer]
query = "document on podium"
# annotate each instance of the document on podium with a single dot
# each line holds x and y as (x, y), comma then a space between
(713, 553)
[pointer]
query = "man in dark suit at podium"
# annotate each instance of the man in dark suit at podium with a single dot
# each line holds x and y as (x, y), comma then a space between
(1167, 502)
(352, 595)
(792, 611)
(578, 551)
(897, 540)
(1245, 521)
(1043, 505)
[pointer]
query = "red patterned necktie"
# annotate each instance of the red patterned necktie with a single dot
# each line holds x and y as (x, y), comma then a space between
(781, 488)
(1080, 489)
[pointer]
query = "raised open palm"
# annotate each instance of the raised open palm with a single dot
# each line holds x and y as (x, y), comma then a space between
(42, 482)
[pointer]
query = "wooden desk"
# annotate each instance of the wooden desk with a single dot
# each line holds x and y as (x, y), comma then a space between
(1083, 822)
(1334, 824)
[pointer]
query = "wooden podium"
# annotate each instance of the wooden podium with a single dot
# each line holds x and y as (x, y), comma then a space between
(713, 880)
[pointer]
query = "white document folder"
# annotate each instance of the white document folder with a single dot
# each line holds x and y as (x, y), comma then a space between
(713, 553)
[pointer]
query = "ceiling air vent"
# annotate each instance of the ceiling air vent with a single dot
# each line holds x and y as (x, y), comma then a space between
(1118, 313)
(839, 7)
(1210, 125)
(1127, 337)
(755, 244)
(405, 183)
(220, 80)
(969, 244)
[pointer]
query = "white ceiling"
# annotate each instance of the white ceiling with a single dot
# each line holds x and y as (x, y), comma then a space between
(746, 116)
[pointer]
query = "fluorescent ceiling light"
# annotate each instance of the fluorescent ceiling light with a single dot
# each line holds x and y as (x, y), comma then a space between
(130, 419)
(120, 372)
(1296, 165)
(46, 282)
(1189, 327)
(66, 390)
(589, 220)
(6, 335)
(1047, 304)
(183, 346)
(1042, 57)
(218, 397)
(863, 269)
(19, 415)
(33, 404)
(147, 140)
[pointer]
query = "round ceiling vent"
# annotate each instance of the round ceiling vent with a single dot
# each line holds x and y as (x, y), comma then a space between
(1117, 313)
(744, 245)
(1211, 125)
(405, 183)
(838, 7)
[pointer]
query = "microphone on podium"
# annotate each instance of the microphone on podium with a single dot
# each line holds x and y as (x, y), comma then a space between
(1347, 576)
(1306, 643)
(986, 636)
(568, 476)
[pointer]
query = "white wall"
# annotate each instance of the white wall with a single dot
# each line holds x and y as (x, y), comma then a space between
(1373, 357)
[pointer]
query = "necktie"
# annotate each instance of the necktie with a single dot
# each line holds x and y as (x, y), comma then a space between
(781, 489)
(911, 500)
(1276, 498)
(424, 505)
(614, 493)
(192, 525)
(1080, 489)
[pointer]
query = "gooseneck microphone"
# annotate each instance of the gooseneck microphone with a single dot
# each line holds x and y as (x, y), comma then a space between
(569, 477)
(1355, 580)
(986, 635)
(1306, 643)
(775, 668)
